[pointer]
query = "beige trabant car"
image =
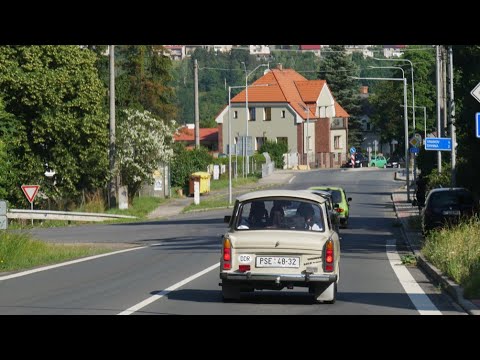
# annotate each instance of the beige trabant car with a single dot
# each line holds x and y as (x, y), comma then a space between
(280, 239)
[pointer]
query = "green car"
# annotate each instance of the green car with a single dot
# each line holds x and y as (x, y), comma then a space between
(339, 197)
(379, 161)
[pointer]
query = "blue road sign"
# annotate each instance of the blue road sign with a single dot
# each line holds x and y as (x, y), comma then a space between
(414, 150)
(353, 150)
(477, 122)
(438, 144)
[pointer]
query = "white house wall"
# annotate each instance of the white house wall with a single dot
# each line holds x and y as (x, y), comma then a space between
(311, 134)
(343, 140)
(325, 103)
(277, 127)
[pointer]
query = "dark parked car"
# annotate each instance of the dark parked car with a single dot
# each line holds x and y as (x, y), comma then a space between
(395, 162)
(360, 161)
(447, 206)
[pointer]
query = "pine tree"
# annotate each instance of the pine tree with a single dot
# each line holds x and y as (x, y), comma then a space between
(337, 68)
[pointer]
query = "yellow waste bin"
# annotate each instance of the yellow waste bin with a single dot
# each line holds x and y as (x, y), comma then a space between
(203, 178)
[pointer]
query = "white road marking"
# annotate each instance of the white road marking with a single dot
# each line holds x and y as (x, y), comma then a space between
(44, 268)
(418, 297)
(290, 181)
(162, 293)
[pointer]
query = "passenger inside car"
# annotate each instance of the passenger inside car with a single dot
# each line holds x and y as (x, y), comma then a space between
(258, 214)
(308, 213)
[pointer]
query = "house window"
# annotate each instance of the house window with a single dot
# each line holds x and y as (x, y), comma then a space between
(251, 114)
(267, 113)
(259, 143)
(283, 114)
(282, 140)
(368, 126)
(336, 142)
(235, 114)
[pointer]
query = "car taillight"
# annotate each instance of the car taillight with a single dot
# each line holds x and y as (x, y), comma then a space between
(339, 210)
(329, 256)
(227, 254)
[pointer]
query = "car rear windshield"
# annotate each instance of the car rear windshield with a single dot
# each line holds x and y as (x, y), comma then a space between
(450, 198)
(280, 213)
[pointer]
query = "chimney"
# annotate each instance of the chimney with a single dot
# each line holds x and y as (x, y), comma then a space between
(280, 67)
(364, 90)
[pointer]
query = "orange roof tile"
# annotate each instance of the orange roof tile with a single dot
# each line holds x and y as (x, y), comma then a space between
(339, 111)
(285, 86)
(206, 134)
(310, 89)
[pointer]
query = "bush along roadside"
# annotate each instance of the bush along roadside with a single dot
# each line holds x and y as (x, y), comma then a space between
(456, 252)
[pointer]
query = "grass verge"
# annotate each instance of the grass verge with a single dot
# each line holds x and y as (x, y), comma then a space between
(18, 251)
(456, 252)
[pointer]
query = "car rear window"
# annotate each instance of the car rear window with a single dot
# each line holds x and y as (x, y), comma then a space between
(451, 198)
(275, 213)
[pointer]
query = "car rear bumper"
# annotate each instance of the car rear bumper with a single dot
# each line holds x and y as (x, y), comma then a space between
(328, 278)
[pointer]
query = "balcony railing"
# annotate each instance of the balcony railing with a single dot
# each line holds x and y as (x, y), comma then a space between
(338, 123)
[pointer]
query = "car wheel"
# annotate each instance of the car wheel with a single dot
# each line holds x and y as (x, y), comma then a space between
(230, 292)
(326, 294)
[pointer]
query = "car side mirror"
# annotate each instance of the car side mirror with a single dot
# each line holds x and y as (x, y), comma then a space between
(227, 219)
(349, 199)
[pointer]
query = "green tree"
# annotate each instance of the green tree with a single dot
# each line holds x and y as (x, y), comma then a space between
(55, 98)
(144, 80)
(143, 143)
(185, 162)
(337, 68)
(467, 68)
(276, 151)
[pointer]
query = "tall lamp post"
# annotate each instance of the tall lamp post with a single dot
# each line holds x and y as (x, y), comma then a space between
(424, 120)
(414, 156)
(413, 86)
(405, 120)
(230, 137)
(246, 112)
(307, 148)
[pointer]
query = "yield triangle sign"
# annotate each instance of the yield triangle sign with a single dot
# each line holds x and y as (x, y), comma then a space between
(30, 191)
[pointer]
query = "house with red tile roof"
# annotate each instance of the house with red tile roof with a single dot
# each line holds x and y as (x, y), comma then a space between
(208, 137)
(285, 106)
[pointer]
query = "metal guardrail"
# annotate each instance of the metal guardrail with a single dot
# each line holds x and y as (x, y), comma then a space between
(62, 215)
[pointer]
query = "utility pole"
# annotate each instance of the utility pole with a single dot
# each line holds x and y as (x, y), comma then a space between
(453, 134)
(112, 191)
(197, 115)
(439, 113)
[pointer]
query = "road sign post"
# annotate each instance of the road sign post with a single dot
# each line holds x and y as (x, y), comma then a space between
(30, 192)
(477, 124)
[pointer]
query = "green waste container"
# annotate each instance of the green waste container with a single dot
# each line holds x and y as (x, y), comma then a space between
(203, 178)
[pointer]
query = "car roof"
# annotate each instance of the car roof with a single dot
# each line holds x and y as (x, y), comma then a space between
(448, 189)
(301, 194)
(325, 187)
(321, 192)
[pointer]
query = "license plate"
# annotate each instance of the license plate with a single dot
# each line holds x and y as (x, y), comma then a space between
(277, 261)
(451, 212)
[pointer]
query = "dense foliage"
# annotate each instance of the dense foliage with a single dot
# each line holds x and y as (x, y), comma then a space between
(53, 119)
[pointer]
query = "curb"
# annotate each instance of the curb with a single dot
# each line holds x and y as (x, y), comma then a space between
(452, 288)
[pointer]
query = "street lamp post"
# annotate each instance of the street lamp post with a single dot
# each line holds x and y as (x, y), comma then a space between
(405, 120)
(246, 113)
(230, 138)
(424, 121)
(413, 87)
(413, 106)
(306, 148)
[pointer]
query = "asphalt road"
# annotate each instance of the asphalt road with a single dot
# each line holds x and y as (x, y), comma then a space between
(175, 271)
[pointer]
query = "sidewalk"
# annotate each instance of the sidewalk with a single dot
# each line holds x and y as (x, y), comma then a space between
(175, 206)
(414, 239)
